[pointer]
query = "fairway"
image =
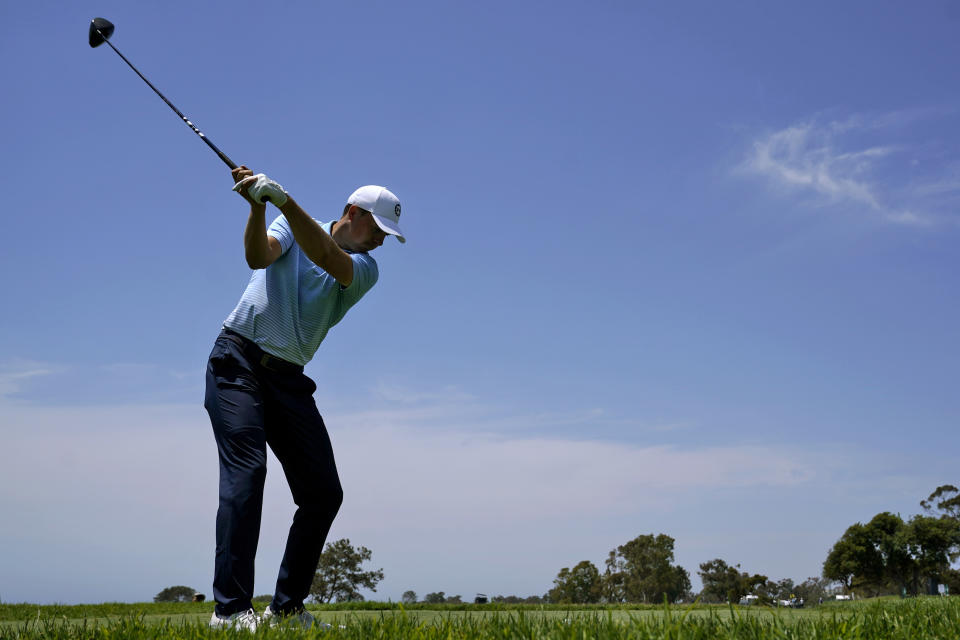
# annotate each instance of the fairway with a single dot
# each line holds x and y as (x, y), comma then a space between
(430, 616)
(875, 620)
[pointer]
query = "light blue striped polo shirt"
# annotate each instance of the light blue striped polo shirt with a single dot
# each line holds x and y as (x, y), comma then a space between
(288, 308)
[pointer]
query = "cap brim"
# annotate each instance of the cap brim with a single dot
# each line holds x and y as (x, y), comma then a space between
(389, 227)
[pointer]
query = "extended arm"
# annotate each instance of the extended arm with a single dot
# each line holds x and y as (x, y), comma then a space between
(262, 249)
(319, 246)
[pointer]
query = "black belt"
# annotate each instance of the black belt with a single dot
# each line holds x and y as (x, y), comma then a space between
(261, 357)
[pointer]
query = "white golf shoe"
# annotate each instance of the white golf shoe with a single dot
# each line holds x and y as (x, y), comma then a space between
(243, 620)
(301, 619)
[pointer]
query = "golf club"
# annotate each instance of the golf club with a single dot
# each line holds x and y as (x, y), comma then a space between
(100, 31)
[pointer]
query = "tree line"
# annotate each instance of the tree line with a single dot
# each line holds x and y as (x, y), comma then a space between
(439, 597)
(887, 555)
(890, 555)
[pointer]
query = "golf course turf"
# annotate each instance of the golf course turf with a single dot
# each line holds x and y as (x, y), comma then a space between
(880, 619)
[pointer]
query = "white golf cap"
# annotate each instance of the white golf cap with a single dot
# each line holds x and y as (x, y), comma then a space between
(384, 206)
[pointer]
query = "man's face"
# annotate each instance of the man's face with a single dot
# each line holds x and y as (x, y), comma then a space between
(365, 235)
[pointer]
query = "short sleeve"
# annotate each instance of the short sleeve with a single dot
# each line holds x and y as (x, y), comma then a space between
(365, 275)
(280, 229)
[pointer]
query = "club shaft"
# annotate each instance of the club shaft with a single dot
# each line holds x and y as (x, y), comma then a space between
(230, 163)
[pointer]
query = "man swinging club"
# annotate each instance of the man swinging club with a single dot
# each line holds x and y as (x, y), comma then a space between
(307, 274)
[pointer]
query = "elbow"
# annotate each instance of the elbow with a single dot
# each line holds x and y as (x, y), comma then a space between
(257, 262)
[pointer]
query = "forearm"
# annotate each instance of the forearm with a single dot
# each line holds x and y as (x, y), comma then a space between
(255, 242)
(316, 243)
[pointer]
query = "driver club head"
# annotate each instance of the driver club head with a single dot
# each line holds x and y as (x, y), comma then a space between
(100, 31)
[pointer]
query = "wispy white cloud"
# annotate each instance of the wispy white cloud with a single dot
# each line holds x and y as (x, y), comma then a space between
(579, 477)
(446, 502)
(451, 408)
(859, 162)
(889, 120)
(46, 383)
(14, 374)
(132, 478)
(392, 394)
(945, 187)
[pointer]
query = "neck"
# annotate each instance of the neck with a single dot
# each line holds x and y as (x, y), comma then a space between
(339, 234)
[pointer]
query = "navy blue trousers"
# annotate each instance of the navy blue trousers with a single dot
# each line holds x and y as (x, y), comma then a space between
(255, 400)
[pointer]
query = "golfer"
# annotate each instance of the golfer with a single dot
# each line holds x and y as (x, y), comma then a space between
(307, 274)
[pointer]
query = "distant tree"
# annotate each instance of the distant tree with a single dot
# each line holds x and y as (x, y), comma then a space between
(890, 556)
(786, 589)
(339, 575)
(578, 585)
(951, 578)
(453, 600)
(773, 591)
(871, 559)
(533, 600)
(890, 535)
(641, 571)
(725, 583)
(409, 597)
(436, 597)
(719, 580)
(767, 592)
(932, 544)
(854, 559)
(812, 589)
(263, 599)
(612, 588)
(507, 599)
(944, 502)
(179, 593)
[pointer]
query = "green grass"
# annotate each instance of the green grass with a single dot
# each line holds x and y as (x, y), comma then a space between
(921, 618)
(26, 611)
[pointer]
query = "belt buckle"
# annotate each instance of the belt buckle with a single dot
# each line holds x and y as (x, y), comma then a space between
(265, 361)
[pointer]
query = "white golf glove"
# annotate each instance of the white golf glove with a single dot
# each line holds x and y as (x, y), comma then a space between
(260, 187)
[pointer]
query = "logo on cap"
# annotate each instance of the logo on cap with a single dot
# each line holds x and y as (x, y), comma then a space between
(396, 210)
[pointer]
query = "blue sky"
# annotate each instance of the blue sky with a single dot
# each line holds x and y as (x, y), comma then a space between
(683, 268)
